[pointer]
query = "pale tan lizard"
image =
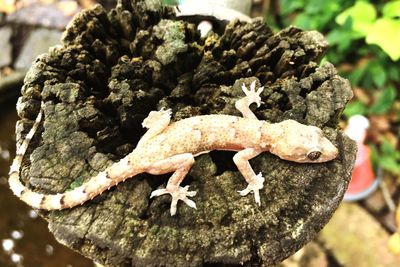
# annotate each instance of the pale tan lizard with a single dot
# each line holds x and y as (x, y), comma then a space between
(171, 147)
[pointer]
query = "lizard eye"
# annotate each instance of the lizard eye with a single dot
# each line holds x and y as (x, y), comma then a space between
(314, 155)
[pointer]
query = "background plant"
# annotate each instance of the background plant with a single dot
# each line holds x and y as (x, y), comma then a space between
(365, 46)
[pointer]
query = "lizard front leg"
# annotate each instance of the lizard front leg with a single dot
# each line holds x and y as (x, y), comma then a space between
(155, 122)
(181, 165)
(255, 182)
(252, 96)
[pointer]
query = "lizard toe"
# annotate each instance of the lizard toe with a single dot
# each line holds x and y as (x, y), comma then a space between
(177, 193)
(244, 192)
(254, 187)
(158, 192)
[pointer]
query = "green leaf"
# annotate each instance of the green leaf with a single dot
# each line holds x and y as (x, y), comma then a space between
(391, 9)
(363, 14)
(356, 76)
(386, 34)
(289, 6)
(343, 39)
(171, 2)
(355, 108)
(384, 101)
(394, 73)
(321, 12)
(377, 72)
(390, 164)
(303, 21)
(379, 76)
(387, 148)
(375, 155)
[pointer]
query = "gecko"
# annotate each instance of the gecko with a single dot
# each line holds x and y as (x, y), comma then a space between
(170, 147)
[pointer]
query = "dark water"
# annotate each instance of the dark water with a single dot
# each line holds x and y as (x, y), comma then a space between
(24, 237)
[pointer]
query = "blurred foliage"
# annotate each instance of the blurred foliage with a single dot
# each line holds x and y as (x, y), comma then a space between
(394, 241)
(386, 156)
(171, 2)
(364, 38)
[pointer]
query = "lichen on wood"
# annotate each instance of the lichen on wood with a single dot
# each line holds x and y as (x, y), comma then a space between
(113, 68)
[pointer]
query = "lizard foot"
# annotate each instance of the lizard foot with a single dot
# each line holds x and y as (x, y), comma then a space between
(252, 95)
(177, 193)
(155, 117)
(254, 186)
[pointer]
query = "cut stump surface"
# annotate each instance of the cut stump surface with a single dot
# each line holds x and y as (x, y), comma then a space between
(113, 68)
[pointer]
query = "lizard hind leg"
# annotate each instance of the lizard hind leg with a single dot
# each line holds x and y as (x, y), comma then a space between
(181, 165)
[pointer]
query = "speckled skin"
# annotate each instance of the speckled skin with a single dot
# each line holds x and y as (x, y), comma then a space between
(171, 147)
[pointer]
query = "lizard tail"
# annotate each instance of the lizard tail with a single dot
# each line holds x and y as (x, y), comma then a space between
(119, 171)
(20, 190)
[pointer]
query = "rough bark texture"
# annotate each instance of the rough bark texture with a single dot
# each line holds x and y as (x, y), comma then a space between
(113, 68)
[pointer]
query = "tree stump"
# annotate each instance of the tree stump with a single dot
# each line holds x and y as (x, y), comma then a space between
(113, 68)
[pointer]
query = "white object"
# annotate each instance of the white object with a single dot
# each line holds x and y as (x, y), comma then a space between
(357, 128)
(8, 245)
(204, 27)
(222, 9)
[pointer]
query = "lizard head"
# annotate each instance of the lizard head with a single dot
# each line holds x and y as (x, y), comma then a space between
(297, 142)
